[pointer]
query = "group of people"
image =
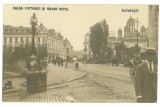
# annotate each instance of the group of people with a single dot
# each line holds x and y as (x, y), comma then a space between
(145, 80)
(58, 61)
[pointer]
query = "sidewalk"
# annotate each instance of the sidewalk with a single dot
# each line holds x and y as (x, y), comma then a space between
(56, 75)
(61, 74)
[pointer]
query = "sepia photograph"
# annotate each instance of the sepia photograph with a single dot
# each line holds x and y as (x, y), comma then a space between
(80, 53)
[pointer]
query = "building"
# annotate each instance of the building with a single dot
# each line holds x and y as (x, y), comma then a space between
(119, 34)
(153, 16)
(54, 42)
(130, 34)
(78, 54)
(87, 50)
(15, 36)
(68, 48)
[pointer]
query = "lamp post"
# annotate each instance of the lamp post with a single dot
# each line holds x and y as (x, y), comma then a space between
(67, 51)
(85, 50)
(137, 37)
(36, 78)
(33, 59)
(34, 23)
(147, 42)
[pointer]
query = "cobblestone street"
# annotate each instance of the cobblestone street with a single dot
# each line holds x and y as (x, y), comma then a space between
(90, 88)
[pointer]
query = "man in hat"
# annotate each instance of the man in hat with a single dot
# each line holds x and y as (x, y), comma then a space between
(142, 56)
(146, 79)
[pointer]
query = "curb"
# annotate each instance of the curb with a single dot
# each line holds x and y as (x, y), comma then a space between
(11, 91)
(55, 84)
(65, 81)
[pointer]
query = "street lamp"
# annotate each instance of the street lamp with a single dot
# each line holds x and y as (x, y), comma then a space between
(36, 78)
(33, 65)
(147, 41)
(137, 37)
(85, 50)
(34, 23)
(67, 51)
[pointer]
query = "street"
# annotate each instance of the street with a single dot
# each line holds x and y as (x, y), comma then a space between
(102, 83)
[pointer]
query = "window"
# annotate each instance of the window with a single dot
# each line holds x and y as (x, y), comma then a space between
(5, 40)
(11, 31)
(16, 30)
(11, 40)
(43, 39)
(16, 40)
(39, 39)
(27, 39)
(22, 30)
(22, 39)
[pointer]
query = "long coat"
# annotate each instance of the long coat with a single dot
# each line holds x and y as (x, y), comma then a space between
(146, 83)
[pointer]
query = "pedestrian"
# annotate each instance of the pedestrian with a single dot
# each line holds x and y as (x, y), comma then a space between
(61, 62)
(76, 64)
(146, 79)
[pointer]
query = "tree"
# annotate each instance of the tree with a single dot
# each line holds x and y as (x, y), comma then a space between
(96, 38)
(105, 37)
(42, 51)
(119, 49)
(99, 39)
(132, 51)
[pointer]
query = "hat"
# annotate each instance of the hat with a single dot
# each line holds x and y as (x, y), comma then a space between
(142, 51)
(150, 50)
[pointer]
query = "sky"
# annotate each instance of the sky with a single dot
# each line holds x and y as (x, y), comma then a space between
(76, 22)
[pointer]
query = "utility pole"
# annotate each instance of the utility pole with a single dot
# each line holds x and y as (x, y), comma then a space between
(137, 37)
(67, 51)
(85, 54)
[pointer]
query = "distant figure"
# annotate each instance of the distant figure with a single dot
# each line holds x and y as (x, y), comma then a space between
(85, 62)
(146, 79)
(76, 64)
(61, 62)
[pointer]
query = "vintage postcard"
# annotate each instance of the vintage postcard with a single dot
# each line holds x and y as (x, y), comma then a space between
(80, 53)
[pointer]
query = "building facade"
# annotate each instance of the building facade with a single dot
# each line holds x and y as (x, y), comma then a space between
(131, 33)
(54, 42)
(87, 50)
(68, 49)
(153, 16)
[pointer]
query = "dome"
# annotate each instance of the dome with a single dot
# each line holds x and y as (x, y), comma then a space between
(142, 28)
(131, 20)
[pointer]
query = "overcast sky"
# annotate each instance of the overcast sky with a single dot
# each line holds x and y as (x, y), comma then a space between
(76, 22)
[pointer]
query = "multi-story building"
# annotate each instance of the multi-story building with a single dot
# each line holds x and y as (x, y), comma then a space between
(54, 42)
(87, 50)
(153, 16)
(130, 34)
(68, 48)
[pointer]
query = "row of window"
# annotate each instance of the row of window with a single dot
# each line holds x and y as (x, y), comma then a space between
(17, 31)
(22, 39)
(16, 39)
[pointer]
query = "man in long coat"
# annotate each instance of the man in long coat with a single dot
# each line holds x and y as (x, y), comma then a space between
(146, 79)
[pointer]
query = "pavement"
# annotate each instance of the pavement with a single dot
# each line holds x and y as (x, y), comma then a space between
(56, 76)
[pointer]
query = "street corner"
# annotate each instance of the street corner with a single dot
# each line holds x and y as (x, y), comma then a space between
(76, 75)
(62, 75)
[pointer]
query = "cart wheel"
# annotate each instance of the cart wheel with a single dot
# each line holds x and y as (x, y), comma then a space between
(132, 73)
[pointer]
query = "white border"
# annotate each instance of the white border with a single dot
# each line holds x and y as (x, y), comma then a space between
(2, 104)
